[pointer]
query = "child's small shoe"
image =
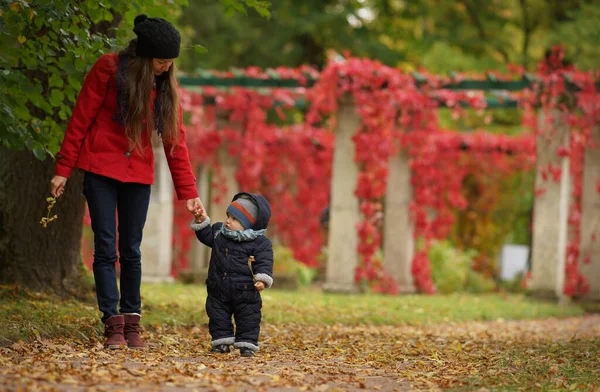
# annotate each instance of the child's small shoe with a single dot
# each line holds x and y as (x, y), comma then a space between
(221, 349)
(246, 352)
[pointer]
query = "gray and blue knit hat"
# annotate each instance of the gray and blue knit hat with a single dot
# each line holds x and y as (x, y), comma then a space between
(244, 210)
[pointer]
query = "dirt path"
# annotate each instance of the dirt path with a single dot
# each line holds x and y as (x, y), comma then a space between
(320, 358)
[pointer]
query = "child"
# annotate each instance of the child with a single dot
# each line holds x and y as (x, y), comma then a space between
(241, 265)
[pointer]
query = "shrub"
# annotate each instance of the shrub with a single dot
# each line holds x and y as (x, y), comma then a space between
(285, 263)
(516, 284)
(478, 283)
(449, 266)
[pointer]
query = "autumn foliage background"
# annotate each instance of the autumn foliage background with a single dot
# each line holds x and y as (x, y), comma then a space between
(481, 202)
(462, 181)
(472, 176)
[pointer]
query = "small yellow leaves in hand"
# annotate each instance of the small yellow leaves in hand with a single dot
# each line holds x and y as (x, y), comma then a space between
(250, 261)
(47, 219)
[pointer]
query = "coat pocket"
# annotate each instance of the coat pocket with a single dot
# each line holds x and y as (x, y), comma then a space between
(211, 286)
(95, 140)
(247, 293)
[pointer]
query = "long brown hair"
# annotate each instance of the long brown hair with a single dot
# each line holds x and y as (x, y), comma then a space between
(138, 82)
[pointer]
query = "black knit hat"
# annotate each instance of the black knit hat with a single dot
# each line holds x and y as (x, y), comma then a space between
(156, 38)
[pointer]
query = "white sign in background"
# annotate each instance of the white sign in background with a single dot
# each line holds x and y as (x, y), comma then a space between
(513, 260)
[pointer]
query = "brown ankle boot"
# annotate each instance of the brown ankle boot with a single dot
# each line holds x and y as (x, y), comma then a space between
(132, 331)
(113, 331)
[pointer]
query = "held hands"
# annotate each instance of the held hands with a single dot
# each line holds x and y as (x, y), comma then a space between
(200, 216)
(57, 185)
(196, 207)
(260, 286)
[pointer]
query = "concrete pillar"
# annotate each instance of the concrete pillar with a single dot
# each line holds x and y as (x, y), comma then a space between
(550, 212)
(590, 218)
(398, 242)
(344, 211)
(200, 257)
(228, 164)
(200, 252)
(156, 245)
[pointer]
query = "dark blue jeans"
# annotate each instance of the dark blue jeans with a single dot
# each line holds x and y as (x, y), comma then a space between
(106, 199)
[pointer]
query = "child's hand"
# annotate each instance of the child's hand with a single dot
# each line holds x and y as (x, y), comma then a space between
(260, 286)
(200, 215)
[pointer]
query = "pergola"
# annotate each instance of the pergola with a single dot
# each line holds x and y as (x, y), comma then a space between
(551, 208)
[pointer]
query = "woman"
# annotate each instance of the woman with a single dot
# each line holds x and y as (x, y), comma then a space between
(127, 100)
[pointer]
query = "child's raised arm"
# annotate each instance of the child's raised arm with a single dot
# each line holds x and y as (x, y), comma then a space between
(203, 229)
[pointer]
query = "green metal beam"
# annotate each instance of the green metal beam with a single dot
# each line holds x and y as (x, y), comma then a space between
(495, 103)
(294, 83)
(207, 79)
(487, 85)
(492, 83)
(301, 103)
(243, 81)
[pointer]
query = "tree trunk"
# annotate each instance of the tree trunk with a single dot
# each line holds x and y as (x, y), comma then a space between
(44, 259)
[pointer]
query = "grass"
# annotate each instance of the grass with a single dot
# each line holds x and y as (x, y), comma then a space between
(494, 356)
(567, 365)
(27, 315)
(185, 304)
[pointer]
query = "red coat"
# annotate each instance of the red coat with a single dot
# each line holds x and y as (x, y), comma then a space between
(95, 142)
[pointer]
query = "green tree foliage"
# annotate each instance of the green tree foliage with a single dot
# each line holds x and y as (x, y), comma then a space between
(298, 32)
(481, 35)
(44, 52)
(469, 35)
(47, 46)
(440, 35)
(581, 35)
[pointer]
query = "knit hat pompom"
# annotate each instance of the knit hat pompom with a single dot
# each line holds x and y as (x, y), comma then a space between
(244, 210)
(139, 19)
(156, 38)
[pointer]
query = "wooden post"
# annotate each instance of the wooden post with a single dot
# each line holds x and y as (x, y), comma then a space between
(590, 219)
(398, 244)
(344, 211)
(550, 212)
(156, 245)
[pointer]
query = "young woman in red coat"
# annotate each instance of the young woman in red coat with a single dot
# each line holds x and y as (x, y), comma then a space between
(128, 100)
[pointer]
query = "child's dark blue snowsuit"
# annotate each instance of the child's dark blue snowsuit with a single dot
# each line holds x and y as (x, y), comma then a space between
(230, 284)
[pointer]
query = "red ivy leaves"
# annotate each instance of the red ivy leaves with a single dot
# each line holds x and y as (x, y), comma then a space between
(292, 165)
(394, 113)
(581, 114)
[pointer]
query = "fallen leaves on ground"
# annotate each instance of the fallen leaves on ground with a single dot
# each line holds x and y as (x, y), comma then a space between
(540, 354)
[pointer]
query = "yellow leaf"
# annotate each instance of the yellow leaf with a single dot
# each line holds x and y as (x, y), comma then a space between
(21, 39)
(31, 14)
(15, 6)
